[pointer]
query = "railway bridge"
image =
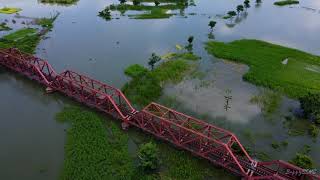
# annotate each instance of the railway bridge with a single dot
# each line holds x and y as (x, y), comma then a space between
(198, 137)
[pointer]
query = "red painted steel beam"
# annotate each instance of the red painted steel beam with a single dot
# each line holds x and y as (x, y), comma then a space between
(200, 138)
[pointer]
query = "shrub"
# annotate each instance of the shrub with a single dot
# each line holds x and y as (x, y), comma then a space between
(310, 104)
(149, 156)
(303, 161)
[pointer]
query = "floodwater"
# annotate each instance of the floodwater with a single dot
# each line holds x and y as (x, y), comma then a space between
(32, 142)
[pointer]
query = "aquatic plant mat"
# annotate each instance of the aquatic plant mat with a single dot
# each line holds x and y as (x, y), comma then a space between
(267, 67)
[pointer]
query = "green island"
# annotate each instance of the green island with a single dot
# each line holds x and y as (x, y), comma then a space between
(285, 2)
(150, 12)
(62, 2)
(4, 27)
(9, 10)
(146, 85)
(290, 71)
(27, 39)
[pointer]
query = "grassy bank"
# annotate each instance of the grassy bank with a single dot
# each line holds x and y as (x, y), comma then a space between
(285, 2)
(25, 40)
(287, 70)
(96, 148)
(9, 10)
(146, 86)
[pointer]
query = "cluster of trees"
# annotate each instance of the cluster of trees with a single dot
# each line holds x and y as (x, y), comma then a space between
(240, 8)
(105, 14)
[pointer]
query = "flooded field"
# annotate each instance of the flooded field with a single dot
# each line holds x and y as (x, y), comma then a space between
(32, 142)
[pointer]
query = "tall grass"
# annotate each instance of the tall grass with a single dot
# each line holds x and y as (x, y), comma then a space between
(94, 150)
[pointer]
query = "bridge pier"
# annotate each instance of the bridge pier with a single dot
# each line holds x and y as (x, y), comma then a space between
(49, 90)
(124, 125)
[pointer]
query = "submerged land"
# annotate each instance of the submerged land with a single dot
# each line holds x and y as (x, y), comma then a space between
(290, 71)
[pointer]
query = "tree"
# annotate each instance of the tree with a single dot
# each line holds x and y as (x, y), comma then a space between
(246, 4)
(232, 13)
(136, 2)
(190, 39)
(149, 156)
(156, 3)
(122, 1)
(106, 14)
(153, 60)
(258, 1)
(240, 8)
(212, 24)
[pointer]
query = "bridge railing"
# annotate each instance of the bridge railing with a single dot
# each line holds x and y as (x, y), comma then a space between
(202, 139)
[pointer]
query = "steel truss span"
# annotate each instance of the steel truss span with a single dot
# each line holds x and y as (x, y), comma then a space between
(215, 144)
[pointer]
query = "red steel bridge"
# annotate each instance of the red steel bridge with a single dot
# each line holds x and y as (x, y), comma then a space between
(201, 139)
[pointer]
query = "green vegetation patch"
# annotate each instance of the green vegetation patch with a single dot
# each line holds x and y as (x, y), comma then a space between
(303, 161)
(94, 150)
(271, 65)
(268, 100)
(25, 40)
(310, 104)
(63, 2)
(149, 12)
(146, 85)
(9, 10)
(4, 27)
(47, 22)
(285, 2)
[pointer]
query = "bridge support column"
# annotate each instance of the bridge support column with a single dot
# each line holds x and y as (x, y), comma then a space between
(124, 125)
(49, 90)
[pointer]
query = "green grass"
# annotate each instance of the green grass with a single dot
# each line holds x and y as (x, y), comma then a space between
(9, 10)
(303, 161)
(25, 40)
(285, 2)
(4, 27)
(298, 127)
(146, 87)
(63, 2)
(266, 67)
(268, 100)
(47, 22)
(95, 149)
